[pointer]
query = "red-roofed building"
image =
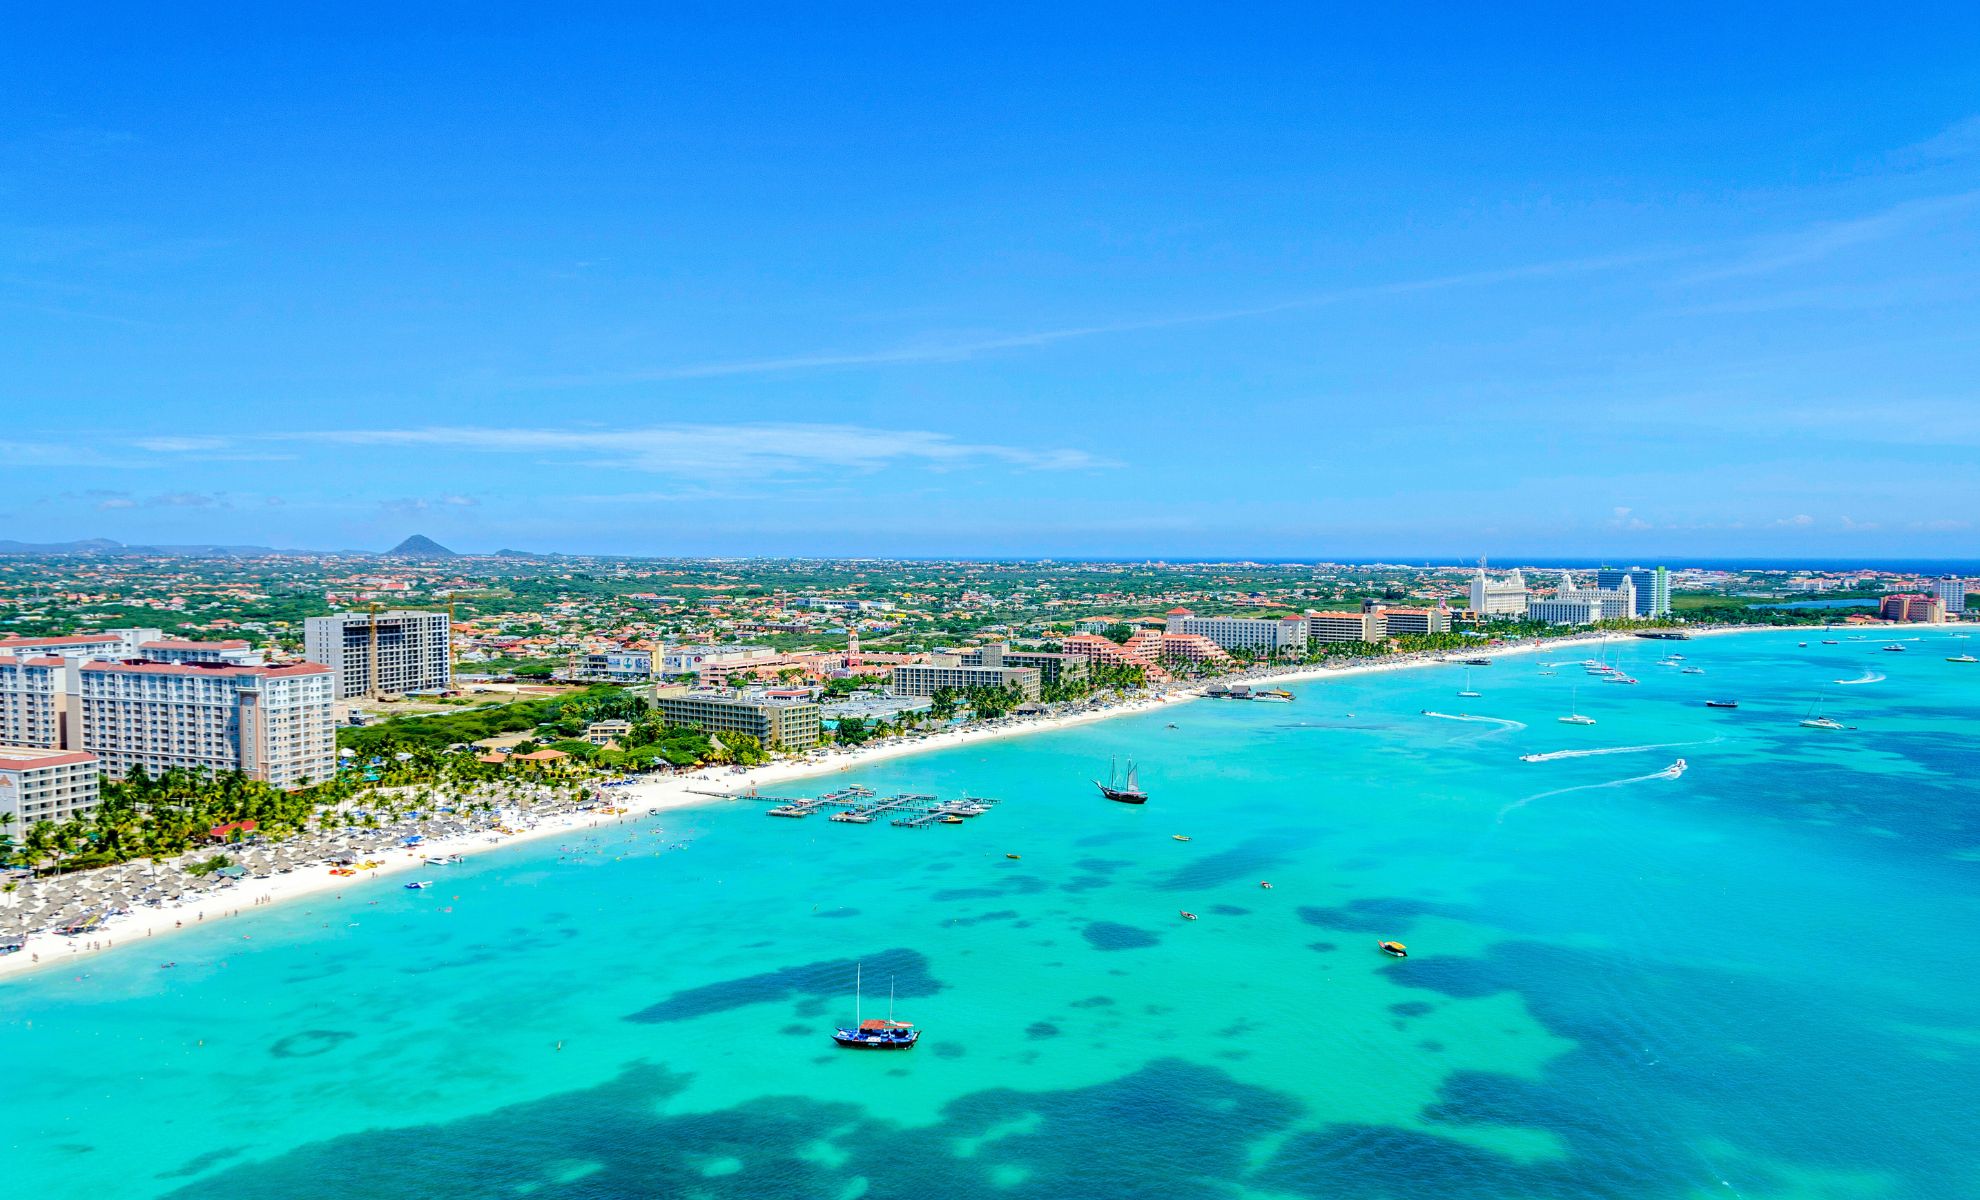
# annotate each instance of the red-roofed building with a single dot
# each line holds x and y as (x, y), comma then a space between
(38, 784)
(272, 723)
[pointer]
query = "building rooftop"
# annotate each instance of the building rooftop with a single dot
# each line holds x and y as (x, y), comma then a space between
(26, 758)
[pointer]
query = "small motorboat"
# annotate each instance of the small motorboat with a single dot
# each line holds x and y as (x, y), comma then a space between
(1011, 856)
(1172, 724)
(419, 884)
(1188, 915)
(1394, 949)
(1894, 648)
(1722, 704)
(951, 819)
(1803, 645)
(1267, 886)
(1830, 642)
(1692, 671)
(1180, 837)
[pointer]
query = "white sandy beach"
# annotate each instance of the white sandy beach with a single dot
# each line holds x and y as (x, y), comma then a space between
(648, 797)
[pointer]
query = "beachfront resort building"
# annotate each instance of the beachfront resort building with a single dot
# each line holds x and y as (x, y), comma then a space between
(413, 649)
(38, 784)
(1052, 668)
(1258, 635)
(778, 722)
(1107, 652)
(1366, 626)
(1951, 592)
(1653, 588)
(1416, 622)
(1574, 605)
(950, 671)
(1912, 606)
(1159, 646)
(1506, 597)
(272, 723)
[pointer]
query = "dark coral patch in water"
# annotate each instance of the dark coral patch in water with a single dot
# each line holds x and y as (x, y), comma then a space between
(1385, 916)
(1111, 935)
(1041, 1029)
(310, 1043)
(908, 970)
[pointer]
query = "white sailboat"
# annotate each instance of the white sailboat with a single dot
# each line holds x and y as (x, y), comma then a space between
(1813, 721)
(1575, 718)
(1467, 693)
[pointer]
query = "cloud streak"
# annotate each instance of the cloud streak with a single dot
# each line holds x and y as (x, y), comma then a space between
(715, 451)
(963, 350)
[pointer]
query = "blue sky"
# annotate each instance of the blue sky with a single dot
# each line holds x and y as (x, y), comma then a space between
(1034, 281)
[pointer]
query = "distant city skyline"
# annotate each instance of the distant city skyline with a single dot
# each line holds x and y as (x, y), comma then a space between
(1274, 284)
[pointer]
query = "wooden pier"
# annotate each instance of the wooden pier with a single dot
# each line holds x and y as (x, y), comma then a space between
(861, 806)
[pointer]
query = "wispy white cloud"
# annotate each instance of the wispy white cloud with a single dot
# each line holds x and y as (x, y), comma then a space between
(963, 349)
(1961, 139)
(1824, 239)
(703, 451)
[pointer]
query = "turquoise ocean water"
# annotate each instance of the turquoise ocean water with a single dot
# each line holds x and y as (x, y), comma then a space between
(1760, 979)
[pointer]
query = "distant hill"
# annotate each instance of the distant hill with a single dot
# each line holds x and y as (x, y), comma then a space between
(420, 546)
(517, 554)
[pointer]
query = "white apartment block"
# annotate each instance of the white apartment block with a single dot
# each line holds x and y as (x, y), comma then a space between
(414, 651)
(1262, 635)
(37, 702)
(1418, 622)
(1346, 626)
(1951, 591)
(150, 645)
(949, 671)
(38, 784)
(274, 724)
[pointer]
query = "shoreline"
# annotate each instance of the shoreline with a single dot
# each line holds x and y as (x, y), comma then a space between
(645, 798)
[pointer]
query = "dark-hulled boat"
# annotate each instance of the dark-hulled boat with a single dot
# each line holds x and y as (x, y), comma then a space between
(876, 1035)
(1127, 791)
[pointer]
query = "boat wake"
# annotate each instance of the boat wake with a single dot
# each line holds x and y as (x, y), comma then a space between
(1673, 771)
(1553, 755)
(1501, 722)
(1868, 677)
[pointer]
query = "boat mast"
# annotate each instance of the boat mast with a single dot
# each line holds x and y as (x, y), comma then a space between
(856, 981)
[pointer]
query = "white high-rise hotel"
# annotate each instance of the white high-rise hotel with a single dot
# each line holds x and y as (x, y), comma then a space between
(414, 653)
(1498, 598)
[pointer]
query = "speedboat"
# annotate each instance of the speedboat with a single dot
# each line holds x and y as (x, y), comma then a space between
(1011, 856)
(1894, 648)
(1180, 837)
(419, 884)
(1394, 949)
(1188, 915)
(1262, 883)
